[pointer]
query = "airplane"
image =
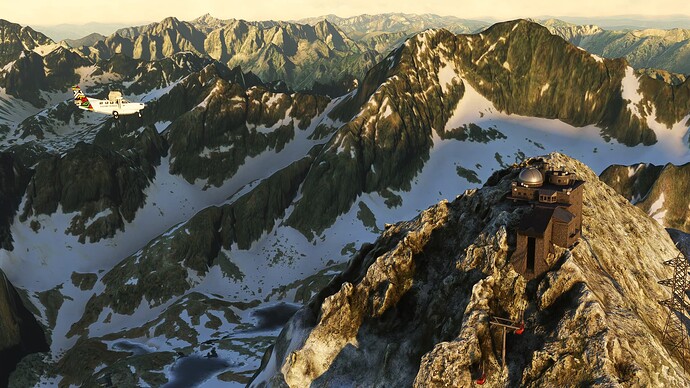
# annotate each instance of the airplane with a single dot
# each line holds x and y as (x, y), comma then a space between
(115, 105)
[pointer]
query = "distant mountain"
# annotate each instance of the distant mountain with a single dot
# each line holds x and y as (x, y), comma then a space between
(332, 50)
(88, 40)
(651, 48)
(66, 31)
(384, 32)
(294, 53)
(359, 27)
(16, 39)
(660, 191)
(632, 22)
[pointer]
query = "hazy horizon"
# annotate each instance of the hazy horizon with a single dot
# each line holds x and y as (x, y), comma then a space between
(130, 12)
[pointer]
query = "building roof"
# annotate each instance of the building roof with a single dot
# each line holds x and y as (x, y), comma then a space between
(534, 223)
(549, 192)
(563, 215)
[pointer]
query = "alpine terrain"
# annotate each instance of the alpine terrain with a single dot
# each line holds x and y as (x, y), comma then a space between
(263, 180)
(413, 308)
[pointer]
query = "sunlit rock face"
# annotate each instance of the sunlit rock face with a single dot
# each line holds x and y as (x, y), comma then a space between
(414, 307)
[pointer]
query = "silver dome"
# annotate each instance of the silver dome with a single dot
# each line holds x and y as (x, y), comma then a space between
(531, 177)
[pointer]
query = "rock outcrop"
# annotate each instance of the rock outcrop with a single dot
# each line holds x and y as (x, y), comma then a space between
(660, 191)
(414, 307)
(14, 178)
(15, 39)
(104, 187)
(20, 334)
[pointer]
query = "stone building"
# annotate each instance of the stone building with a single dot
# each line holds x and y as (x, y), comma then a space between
(555, 197)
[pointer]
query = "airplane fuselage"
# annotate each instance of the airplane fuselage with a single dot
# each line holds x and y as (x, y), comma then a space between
(117, 107)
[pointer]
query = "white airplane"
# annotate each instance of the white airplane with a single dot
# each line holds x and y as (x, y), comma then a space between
(115, 105)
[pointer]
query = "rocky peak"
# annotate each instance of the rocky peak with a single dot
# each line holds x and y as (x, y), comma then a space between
(660, 191)
(88, 40)
(414, 307)
(167, 23)
(205, 19)
(568, 31)
(331, 34)
(14, 39)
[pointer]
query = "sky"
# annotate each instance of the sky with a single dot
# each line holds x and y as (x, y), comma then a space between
(133, 12)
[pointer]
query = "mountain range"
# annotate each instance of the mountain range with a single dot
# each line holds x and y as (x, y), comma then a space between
(200, 228)
(649, 48)
(333, 50)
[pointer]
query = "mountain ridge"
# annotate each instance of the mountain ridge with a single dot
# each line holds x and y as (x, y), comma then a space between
(415, 305)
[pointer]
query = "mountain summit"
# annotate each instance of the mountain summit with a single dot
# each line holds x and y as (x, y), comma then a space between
(414, 308)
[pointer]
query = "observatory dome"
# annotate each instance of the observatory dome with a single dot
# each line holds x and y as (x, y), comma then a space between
(531, 177)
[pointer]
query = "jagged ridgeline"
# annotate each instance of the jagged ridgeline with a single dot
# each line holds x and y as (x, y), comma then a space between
(413, 308)
(411, 96)
(648, 48)
(298, 54)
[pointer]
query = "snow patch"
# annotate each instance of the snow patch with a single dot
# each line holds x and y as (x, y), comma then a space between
(597, 58)
(387, 111)
(544, 88)
(446, 75)
(209, 152)
(629, 91)
(161, 125)
(204, 103)
(657, 210)
(46, 49)
(633, 170)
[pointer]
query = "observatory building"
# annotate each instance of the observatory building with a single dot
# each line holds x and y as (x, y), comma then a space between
(555, 218)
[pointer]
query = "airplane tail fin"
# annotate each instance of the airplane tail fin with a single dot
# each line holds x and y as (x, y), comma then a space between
(80, 99)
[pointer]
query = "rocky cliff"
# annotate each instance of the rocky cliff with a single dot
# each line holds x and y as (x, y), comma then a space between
(14, 39)
(660, 191)
(14, 178)
(414, 307)
(20, 334)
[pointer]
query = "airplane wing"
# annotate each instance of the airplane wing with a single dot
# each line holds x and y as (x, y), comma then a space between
(80, 99)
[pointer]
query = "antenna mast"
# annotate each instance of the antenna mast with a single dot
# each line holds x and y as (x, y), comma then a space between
(675, 336)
